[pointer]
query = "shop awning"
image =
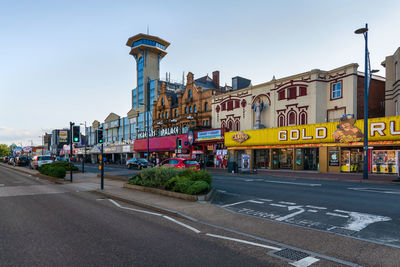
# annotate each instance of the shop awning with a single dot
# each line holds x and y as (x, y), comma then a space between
(166, 143)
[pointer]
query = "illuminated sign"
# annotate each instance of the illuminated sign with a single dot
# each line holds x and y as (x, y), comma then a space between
(240, 137)
(379, 129)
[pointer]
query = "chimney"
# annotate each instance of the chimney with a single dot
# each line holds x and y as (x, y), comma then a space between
(215, 77)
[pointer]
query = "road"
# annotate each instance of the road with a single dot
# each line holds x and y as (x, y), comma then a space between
(44, 224)
(360, 210)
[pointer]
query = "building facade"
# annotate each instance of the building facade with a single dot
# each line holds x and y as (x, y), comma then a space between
(392, 87)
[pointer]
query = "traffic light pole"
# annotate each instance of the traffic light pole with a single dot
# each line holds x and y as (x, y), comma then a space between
(70, 151)
(102, 168)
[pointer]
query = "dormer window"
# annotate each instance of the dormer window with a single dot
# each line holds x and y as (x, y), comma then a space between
(162, 101)
(190, 93)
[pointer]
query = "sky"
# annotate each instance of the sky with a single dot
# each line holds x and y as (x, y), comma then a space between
(63, 61)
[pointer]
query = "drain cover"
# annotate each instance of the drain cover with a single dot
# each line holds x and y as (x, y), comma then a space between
(291, 254)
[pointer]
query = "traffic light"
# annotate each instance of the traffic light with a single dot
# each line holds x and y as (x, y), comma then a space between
(100, 136)
(178, 143)
(76, 134)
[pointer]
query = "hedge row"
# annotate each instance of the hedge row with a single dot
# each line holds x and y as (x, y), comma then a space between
(185, 181)
(66, 165)
(52, 170)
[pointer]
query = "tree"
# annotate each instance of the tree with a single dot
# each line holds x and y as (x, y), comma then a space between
(4, 150)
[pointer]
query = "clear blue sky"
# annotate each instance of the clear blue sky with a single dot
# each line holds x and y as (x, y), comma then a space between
(64, 61)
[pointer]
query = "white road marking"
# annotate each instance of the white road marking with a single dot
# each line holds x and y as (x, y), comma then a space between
(248, 180)
(254, 201)
(376, 190)
(304, 262)
(278, 205)
(331, 228)
(301, 210)
(287, 203)
(263, 199)
(244, 241)
(337, 215)
(1, 184)
(316, 207)
(182, 224)
(359, 221)
(312, 211)
(281, 182)
(233, 204)
(126, 208)
(221, 191)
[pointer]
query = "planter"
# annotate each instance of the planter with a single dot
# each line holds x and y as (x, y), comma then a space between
(170, 193)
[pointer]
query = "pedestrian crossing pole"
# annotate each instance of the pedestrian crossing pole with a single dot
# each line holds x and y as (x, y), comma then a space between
(102, 168)
(70, 151)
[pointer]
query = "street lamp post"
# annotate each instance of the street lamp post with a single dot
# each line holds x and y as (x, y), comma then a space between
(147, 130)
(367, 81)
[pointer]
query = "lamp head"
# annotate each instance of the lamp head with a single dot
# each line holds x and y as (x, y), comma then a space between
(361, 31)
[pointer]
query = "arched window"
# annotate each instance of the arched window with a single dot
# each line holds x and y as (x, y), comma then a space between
(223, 125)
(237, 126)
(195, 108)
(206, 106)
(159, 115)
(176, 113)
(162, 101)
(230, 125)
(291, 118)
(190, 93)
(281, 121)
(166, 115)
(190, 109)
(303, 118)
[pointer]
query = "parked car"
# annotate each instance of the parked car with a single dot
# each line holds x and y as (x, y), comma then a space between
(11, 161)
(22, 161)
(5, 159)
(180, 163)
(138, 163)
(38, 161)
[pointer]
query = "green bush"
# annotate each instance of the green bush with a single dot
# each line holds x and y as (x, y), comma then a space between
(185, 181)
(198, 187)
(52, 170)
(66, 165)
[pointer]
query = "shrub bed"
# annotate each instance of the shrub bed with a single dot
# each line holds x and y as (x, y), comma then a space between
(66, 165)
(185, 181)
(52, 170)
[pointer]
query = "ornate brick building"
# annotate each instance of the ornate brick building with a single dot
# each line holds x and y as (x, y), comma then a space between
(188, 106)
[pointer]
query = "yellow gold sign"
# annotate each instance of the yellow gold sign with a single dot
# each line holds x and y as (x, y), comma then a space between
(379, 129)
(240, 137)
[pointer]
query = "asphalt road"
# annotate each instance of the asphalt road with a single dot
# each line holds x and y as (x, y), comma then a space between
(44, 224)
(109, 169)
(360, 210)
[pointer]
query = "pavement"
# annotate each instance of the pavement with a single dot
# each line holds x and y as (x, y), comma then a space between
(338, 250)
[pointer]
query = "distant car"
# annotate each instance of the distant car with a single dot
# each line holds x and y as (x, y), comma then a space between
(138, 164)
(180, 163)
(38, 161)
(61, 159)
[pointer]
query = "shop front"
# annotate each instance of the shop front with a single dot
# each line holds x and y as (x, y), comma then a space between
(209, 147)
(324, 147)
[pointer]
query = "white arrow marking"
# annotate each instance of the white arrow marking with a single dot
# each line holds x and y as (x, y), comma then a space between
(304, 262)
(359, 221)
(290, 208)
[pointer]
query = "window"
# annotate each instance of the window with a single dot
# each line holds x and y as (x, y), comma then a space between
(159, 115)
(134, 98)
(303, 118)
(230, 105)
(237, 126)
(292, 92)
(166, 115)
(176, 113)
(336, 91)
(190, 93)
(204, 123)
(223, 106)
(185, 110)
(237, 103)
(195, 109)
(303, 91)
(206, 106)
(190, 109)
(230, 125)
(292, 118)
(281, 121)
(281, 95)
(162, 101)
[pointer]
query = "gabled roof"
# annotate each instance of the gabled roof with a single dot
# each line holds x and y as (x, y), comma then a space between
(111, 117)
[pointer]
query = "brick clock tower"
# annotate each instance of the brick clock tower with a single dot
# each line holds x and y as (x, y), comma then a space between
(148, 51)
